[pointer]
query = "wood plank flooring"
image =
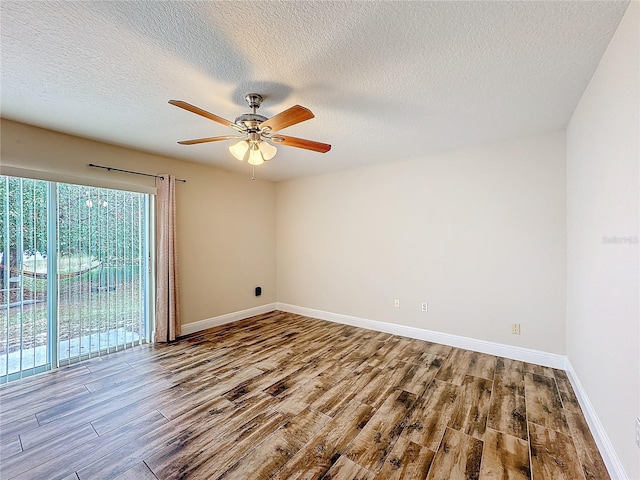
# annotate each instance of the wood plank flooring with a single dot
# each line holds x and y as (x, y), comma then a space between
(289, 397)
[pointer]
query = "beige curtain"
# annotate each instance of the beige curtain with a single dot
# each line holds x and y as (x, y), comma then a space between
(167, 305)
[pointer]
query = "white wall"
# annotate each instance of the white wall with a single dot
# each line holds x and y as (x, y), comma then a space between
(478, 233)
(603, 336)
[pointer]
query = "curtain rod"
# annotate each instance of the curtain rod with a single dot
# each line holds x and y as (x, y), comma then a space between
(132, 172)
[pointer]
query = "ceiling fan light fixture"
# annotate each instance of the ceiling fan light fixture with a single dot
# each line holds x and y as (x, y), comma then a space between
(240, 150)
(268, 151)
(255, 155)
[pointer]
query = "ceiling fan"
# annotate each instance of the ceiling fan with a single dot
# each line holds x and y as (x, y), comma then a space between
(257, 133)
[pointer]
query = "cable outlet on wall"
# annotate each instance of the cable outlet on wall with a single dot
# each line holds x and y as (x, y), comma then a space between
(515, 329)
(425, 307)
(396, 303)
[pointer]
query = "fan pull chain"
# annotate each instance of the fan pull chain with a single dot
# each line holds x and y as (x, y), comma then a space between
(253, 172)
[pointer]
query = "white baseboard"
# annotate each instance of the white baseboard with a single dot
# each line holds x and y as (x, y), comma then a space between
(611, 460)
(508, 351)
(194, 327)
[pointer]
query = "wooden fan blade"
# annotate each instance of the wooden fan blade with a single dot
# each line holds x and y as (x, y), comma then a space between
(203, 113)
(208, 139)
(301, 143)
(290, 116)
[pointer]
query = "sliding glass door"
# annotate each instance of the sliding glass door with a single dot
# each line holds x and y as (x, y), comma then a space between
(73, 273)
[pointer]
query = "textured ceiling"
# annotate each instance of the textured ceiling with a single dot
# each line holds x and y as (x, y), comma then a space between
(385, 80)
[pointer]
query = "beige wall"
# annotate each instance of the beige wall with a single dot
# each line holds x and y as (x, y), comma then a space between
(226, 222)
(603, 313)
(479, 234)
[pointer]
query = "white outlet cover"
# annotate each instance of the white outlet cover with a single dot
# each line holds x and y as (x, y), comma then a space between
(638, 432)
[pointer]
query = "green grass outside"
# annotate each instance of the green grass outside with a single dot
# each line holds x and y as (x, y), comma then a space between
(86, 305)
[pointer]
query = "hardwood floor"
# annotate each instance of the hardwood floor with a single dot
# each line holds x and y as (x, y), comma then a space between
(283, 396)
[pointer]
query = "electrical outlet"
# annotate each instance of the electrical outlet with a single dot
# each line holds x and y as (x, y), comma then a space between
(515, 329)
(396, 303)
(638, 432)
(425, 307)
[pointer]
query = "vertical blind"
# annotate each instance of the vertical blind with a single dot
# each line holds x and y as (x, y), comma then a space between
(74, 273)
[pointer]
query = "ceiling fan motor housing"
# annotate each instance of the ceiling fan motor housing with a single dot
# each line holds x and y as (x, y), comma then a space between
(250, 120)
